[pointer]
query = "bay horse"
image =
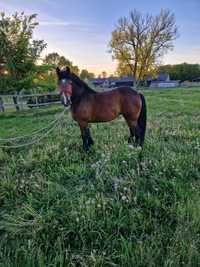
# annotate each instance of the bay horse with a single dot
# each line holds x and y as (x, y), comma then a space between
(89, 106)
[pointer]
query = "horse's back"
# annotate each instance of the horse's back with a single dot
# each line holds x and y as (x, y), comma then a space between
(124, 98)
(127, 90)
(121, 89)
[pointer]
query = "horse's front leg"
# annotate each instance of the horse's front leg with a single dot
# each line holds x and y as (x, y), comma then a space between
(86, 137)
(90, 140)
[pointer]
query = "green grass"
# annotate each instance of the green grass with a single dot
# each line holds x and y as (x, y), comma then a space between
(117, 205)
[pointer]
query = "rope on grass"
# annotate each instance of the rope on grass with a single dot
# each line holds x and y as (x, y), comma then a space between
(36, 132)
(36, 136)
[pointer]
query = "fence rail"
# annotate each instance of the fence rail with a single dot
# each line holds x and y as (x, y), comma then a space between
(29, 95)
(25, 101)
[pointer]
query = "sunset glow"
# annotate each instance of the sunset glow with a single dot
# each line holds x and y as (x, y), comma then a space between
(81, 30)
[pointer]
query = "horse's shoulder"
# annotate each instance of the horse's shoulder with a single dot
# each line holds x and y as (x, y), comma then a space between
(104, 93)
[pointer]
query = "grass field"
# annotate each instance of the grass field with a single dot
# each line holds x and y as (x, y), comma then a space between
(116, 206)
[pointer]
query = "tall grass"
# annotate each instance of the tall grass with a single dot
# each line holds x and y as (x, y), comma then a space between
(116, 206)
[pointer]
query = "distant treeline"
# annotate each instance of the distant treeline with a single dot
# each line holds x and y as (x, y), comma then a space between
(182, 72)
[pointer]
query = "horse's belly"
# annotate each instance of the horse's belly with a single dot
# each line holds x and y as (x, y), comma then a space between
(97, 111)
(104, 115)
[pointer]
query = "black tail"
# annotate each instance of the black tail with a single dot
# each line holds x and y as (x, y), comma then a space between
(142, 120)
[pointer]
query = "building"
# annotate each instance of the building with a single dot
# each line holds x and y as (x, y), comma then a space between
(113, 81)
(196, 80)
(163, 81)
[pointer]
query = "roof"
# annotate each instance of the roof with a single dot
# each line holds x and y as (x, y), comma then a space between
(126, 79)
(113, 79)
(196, 79)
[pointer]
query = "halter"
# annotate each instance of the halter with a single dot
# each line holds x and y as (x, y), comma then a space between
(66, 91)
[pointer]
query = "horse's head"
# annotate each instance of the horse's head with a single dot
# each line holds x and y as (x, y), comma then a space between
(65, 85)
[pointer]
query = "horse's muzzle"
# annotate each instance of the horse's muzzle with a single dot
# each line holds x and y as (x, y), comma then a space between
(66, 100)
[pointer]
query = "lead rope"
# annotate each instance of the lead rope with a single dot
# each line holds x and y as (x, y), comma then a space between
(36, 136)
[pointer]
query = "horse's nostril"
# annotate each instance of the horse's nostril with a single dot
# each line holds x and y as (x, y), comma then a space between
(64, 101)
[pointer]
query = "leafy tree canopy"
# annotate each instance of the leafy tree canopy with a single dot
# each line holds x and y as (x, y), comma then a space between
(19, 52)
(86, 74)
(139, 41)
(56, 60)
(181, 72)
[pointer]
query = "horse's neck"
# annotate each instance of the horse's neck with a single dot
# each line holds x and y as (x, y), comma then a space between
(86, 89)
(82, 84)
(82, 93)
(90, 90)
(78, 93)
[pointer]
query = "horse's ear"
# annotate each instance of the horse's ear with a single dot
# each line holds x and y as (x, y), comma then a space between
(58, 71)
(68, 69)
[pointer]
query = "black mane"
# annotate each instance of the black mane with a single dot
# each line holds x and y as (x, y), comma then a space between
(81, 83)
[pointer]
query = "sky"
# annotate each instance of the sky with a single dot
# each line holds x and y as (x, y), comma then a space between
(80, 30)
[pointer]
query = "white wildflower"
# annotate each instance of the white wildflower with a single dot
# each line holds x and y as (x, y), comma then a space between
(123, 198)
(116, 185)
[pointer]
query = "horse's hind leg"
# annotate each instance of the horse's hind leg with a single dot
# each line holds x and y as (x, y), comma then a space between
(138, 140)
(131, 138)
(134, 135)
(134, 131)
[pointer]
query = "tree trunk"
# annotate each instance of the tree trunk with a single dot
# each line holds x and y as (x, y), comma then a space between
(134, 83)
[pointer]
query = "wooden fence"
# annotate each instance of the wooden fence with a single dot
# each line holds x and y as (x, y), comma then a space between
(25, 101)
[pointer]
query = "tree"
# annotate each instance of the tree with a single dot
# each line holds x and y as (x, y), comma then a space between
(52, 59)
(19, 52)
(86, 75)
(75, 69)
(123, 69)
(104, 74)
(56, 60)
(139, 41)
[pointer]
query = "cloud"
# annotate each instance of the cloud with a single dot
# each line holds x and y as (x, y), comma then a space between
(55, 23)
(52, 22)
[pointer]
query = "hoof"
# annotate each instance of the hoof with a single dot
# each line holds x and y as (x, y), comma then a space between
(86, 150)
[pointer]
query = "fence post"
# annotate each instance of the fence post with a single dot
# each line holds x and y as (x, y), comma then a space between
(16, 103)
(2, 109)
(21, 99)
(37, 102)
